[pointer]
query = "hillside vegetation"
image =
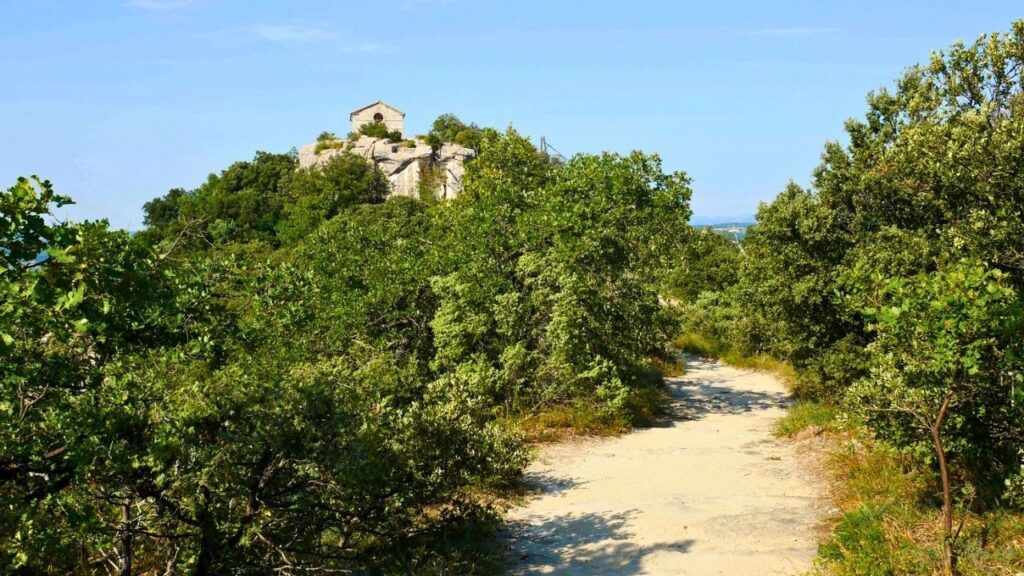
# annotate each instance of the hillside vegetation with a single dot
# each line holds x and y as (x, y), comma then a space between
(894, 287)
(285, 373)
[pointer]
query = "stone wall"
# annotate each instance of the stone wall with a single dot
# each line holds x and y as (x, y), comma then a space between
(404, 165)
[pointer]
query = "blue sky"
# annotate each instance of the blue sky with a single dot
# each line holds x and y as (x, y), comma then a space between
(117, 102)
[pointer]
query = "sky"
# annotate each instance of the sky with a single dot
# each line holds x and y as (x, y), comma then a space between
(116, 102)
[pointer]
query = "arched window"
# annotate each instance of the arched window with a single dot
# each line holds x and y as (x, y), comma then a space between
(378, 117)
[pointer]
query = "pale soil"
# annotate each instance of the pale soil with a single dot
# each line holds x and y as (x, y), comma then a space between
(708, 492)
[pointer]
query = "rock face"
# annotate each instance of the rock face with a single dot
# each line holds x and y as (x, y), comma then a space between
(403, 163)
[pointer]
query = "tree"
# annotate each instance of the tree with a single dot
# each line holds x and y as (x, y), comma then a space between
(242, 204)
(73, 297)
(267, 201)
(317, 194)
(550, 296)
(788, 285)
(943, 373)
(931, 173)
(448, 128)
(708, 262)
(287, 373)
(216, 412)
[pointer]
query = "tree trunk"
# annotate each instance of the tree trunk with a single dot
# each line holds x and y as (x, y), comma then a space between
(208, 538)
(125, 552)
(948, 556)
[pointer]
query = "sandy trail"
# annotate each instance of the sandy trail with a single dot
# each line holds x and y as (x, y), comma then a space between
(710, 492)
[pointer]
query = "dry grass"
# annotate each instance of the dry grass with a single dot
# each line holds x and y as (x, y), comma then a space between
(698, 344)
(804, 415)
(888, 521)
(669, 368)
(647, 402)
(566, 420)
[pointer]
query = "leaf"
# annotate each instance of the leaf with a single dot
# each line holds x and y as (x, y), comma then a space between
(59, 255)
(72, 298)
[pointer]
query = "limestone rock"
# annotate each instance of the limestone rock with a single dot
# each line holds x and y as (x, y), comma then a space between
(403, 164)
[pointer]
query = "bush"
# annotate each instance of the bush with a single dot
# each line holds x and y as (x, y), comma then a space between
(288, 373)
(547, 301)
(379, 130)
(327, 141)
(328, 145)
(887, 521)
(448, 128)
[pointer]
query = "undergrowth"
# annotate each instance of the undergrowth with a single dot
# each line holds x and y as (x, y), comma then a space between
(804, 415)
(888, 517)
(646, 403)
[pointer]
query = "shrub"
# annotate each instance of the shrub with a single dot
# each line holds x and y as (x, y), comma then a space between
(322, 145)
(448, 128)
(379, 130)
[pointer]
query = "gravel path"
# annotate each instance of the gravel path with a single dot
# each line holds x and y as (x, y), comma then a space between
(709, 492)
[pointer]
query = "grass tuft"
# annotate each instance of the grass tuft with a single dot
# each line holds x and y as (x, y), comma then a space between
(699, 344)
(804, 415)
(669, 367)
(328, 145)
(889, 524)
(576, 419)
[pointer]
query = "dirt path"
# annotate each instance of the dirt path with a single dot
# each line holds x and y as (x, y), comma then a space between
(711, 492)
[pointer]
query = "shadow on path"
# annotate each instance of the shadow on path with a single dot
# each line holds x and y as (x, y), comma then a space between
(694, 398)
(541, 483)
(590, 543)
(601, 514)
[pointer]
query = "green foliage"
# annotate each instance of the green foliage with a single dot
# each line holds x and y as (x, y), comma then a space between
(242, 204)
(223, 400)
(23, 228)
(266, 201)
(549, 298)
(380, 130)
(803, 415)
(893, 286)
(284, 372)
(315, 195)
(887, 522)
(448, 128)
(432, 177)
(708, 262)
(901, 268)
(787, 277)
(328, 141)
(66, 318)
(946, 338)
(701, 345)
(861, 547)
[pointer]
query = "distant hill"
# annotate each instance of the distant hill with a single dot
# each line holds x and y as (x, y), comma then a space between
(699, 220)
(737, 230)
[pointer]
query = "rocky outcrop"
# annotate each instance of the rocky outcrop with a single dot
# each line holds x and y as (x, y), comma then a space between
(404, 163)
